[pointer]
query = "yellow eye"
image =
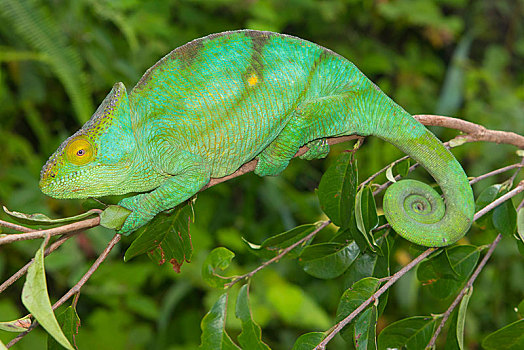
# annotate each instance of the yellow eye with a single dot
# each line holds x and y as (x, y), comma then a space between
(79, 151)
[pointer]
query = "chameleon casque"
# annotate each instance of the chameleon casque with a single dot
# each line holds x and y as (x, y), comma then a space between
(220, 101)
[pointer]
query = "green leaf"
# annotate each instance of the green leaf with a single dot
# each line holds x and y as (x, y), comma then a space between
(214, 336)
(505, 218)
(369, 264)
(485, 197)
(165, 238)
(365, 329)
(366, 215)
(36, 299)
(351, 300)
(435, 274)
(411, 333)
(328, 260)
(69, 321)
(520, 307)
(520, 224)
(308, 341)
(510, 337)
(250, 337)
(2, 346)
(114, 216)
(217, 260)
(19, 325)
(337, 189)
(402, 168)
(455, 338)
(272, 246)
(41, 219)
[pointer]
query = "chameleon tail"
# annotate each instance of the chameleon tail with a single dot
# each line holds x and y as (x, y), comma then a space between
(415, 210)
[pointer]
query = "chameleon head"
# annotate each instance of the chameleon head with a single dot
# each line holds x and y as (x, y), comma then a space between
(95, 160)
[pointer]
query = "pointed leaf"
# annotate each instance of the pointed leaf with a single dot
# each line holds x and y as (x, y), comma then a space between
(114, 216)
(366, 215)
(433, 274)
(520, 224)
(250, 337)
(328, 260)
(485, 197)
(19, 325)
(36, 299)
(41, 219)
(217, 260)
(505, 218)
(272, 246)
(69, 321)
(402, 168)
(411, 333)
(308, 341)
(510, 337)
(389, 174)
(351, 300)
(365, 329)
(214, 336)
(165, 238)
(337, 189)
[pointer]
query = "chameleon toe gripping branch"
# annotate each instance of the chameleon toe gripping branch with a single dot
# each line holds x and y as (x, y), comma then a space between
(220, 101)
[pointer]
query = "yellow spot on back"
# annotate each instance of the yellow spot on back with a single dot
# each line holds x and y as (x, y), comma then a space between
(252, 80)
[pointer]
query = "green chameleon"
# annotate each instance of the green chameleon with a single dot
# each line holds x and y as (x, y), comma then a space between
(220, 101)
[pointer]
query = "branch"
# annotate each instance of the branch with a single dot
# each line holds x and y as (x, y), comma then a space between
(474, 131)
(76, 288)
(23, 270)
(75, 226)
(339, 326)
(496, 172)
(15, 226)
(468, 285)
(280, 255)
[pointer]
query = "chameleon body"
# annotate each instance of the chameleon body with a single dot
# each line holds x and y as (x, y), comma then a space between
(220, 101)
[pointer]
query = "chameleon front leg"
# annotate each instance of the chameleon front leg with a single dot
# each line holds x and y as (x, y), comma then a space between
(170, 193)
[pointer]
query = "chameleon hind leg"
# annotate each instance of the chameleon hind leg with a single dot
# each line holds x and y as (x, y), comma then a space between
(276, 156)
(317, 149)
(311, 124)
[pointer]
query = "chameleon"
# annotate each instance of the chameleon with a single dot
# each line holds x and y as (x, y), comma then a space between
(217, 102)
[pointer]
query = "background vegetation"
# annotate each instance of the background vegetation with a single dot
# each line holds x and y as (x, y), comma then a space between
(58, 60)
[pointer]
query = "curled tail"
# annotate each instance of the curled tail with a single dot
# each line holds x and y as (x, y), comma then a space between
(415, 210)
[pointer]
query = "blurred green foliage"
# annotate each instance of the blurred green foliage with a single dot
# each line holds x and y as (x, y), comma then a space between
(58, 59)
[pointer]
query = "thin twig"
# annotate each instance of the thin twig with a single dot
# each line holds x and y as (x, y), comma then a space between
(512, 178)
(15, 227)
(76, 288)
(374, 176)
(389, 183)
(339, 326)
(54, 246)
(496, 172)
(279, 256)
(463, 291)
(499, 201)
(75, 226)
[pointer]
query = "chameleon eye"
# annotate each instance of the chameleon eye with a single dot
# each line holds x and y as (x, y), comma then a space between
(79, 151)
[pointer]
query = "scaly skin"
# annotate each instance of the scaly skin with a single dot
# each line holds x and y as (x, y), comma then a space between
(220, 101)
